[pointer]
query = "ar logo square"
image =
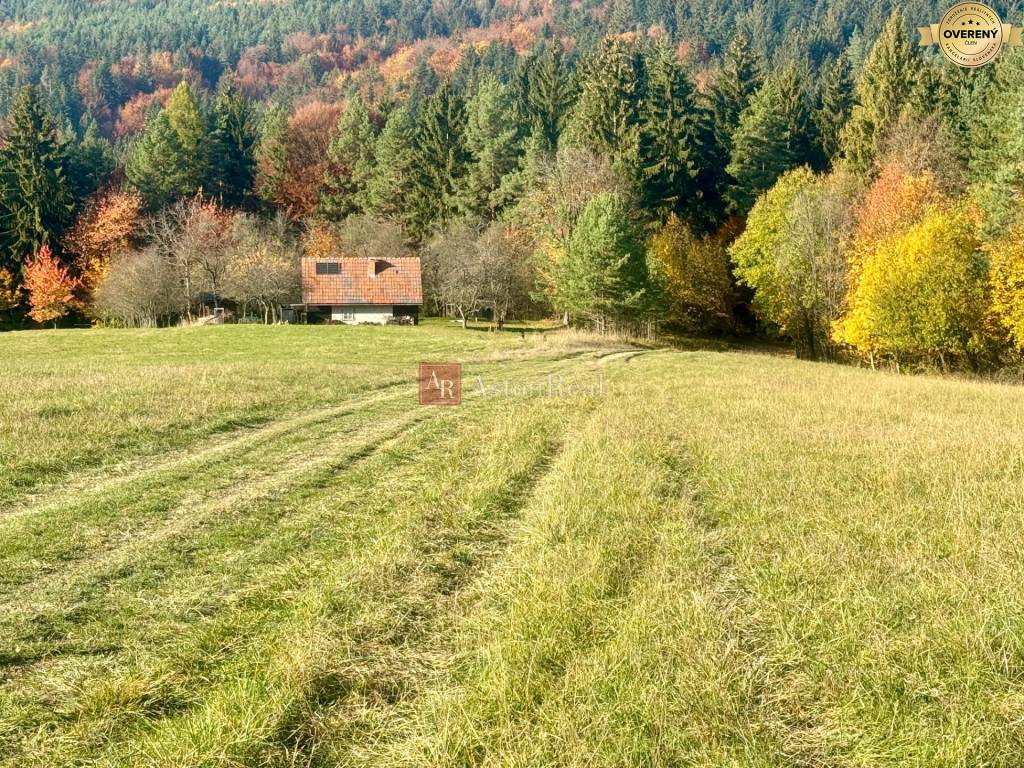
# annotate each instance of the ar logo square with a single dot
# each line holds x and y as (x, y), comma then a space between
(440, 383)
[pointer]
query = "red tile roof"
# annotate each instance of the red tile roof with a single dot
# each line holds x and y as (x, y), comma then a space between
(364, 281)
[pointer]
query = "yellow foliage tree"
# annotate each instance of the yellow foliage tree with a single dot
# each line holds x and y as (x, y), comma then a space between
(697, 276)
(1006, 277)
(10, 293)
(319, 241)
(921, 294)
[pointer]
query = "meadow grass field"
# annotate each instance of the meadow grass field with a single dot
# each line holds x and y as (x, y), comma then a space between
(250, 546)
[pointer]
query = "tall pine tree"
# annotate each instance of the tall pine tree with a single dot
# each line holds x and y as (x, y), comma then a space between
(603, 275)
(732, 87)
(792, 77)
(35, 194)
(494, 138)
(606, 117)
(272, 155)
(677, 152)
(351, 159)
(390, 185)
(171, 158)
(90, 162)
(996, 167)
(762, 148)
(834, 104)
(549, 95)
(440, 162)
(233, 140)
(883, 87)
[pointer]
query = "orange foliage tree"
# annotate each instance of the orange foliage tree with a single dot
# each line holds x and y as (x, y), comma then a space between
(893, 202)
(51, 288)
(296, 187)
(104, 231)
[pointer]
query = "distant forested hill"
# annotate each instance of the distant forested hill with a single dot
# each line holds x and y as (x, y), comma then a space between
(75, 31)
(98, 55)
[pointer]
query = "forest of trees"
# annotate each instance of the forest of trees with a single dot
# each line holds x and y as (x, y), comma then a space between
(810, 173)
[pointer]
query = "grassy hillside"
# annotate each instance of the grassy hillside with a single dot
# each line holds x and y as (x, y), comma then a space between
(248, 546)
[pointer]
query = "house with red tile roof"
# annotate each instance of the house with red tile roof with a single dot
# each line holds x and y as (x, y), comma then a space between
(358, 290)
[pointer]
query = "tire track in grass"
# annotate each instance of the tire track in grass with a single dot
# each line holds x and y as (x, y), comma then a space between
(71, 490)
(43, 602)
(157, 681)
(678, 677)
(579, 648)
(290, 519)
(395, 659)
(578, 548)
(259, 711)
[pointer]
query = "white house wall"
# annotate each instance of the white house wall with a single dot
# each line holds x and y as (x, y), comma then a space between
(362, 313)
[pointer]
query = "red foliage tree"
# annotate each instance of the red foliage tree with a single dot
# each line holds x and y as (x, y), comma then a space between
(51, 288)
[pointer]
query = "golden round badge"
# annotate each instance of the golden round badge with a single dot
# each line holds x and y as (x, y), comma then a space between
(970, 34)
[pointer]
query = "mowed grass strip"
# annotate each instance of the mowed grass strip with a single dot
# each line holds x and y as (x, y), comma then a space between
(367, 594)
(604, 634)
(178, 629)
(177, 495)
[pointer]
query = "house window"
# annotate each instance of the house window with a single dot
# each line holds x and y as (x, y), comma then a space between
(328, 268)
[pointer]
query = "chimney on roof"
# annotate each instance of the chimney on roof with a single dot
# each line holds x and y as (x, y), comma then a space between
(375, 266)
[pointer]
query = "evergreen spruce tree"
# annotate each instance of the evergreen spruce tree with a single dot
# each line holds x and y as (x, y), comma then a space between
(606, 117)
(677, 151)
(762, 147)
(191, 129)
(549, 94)
(424, 82)
(155, 166)
(35, 195)
(996, 169)
(351, 159)
(171, 158)
(796, 111)
(731, 89)
(90, 162)
(622, 16)
(390, 186)
(494, 138)
(233, 141)
(834, 104)
(272, 155)
(882, 89)
(440, 162)
(962, 96)
(603, 275)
